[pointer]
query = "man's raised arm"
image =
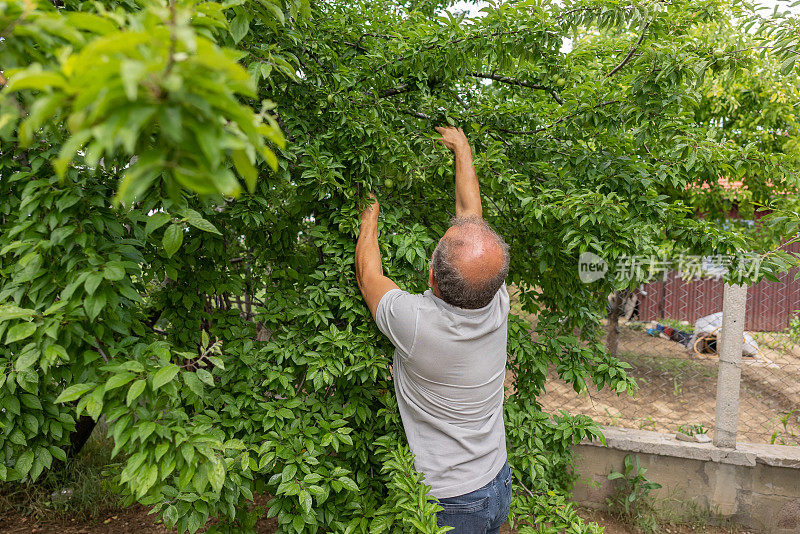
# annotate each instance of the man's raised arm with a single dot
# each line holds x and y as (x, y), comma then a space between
(468, 195)
(369, 269)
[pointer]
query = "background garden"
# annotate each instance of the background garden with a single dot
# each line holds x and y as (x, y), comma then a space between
(179, 190)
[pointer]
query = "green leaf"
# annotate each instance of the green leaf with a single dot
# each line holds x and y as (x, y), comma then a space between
(134, 391)
(94, 304)
(13, 312)
(11, 404)
(240, 25)
(348, 483)
(139, 176)
(58, 453)
(73, 392)
(245, 168)
(197, 220)
(94, 403)
(131, 73)
(156, 221)
(68, 150)
(170, 516)
(216, 361)
(206, 377)
(173, 237)
(114, 271)
(193, 383)
(119, 379)
(216, 474)
(24, 463)
(27, 359)
(32, 78)
(187, 450)
(164, 375)
(92, 281)
(305, 501)
(20, 331)
(55, 307)
(129, 293)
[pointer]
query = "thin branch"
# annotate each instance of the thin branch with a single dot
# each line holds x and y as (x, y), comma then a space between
(630, 53)
(302, 383)
(380, 35)
(173, 38)
(356, 46)
(559, 121)
(576, 10)
(417, 114)
(520, 83)
(100, 350)
(459, 99)
(400, 89)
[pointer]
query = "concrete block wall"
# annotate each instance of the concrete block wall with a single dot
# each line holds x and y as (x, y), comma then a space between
(755, 486)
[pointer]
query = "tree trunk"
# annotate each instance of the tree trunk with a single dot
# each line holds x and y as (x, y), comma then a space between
(612, 338)
(83, 429)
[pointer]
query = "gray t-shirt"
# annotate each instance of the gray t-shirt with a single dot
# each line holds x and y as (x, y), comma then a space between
(449, 369)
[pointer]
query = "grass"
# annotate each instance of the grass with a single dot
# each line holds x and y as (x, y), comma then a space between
(80, 488)
(671, 508)
(676, 366)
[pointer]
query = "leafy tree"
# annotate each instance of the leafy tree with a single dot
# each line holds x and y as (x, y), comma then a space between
(171, 263)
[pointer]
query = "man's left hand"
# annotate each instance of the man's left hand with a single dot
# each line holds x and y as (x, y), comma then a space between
(370, 213)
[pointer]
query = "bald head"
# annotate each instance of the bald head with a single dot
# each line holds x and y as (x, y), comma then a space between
(470, 263)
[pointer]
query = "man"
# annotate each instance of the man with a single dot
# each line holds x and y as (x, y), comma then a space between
(450, 357)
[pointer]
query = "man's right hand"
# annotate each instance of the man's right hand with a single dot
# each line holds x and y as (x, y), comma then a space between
(468, 195)
(453, 138)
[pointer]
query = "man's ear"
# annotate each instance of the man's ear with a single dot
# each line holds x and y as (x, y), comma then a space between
(432, 283)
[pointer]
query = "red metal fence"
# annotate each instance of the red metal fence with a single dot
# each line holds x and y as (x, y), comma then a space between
(770, 305)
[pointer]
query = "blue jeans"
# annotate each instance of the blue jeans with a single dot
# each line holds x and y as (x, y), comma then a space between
(482, 511)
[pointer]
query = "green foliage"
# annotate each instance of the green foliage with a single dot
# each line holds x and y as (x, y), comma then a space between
(692, 429)
(151, 87)
(632, 500)
(789, 433)
(794, 327)
(548, 513)
(223, 337)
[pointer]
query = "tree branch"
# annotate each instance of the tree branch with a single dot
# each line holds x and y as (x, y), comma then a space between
(439, 45)
(577, 10)
(416, 114)
(559, 121)
(630, 53)
(400, 89)
(356, 46)
(520, 83)
(101, 351)
(173, 39)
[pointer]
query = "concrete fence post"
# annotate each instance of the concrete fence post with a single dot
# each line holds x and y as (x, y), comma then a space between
(730, 341)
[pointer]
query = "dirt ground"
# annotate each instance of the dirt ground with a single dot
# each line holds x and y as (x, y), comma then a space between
(136, 520)
(615, 526)
(678, 387)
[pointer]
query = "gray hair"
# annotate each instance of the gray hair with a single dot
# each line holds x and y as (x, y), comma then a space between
(453, 287)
